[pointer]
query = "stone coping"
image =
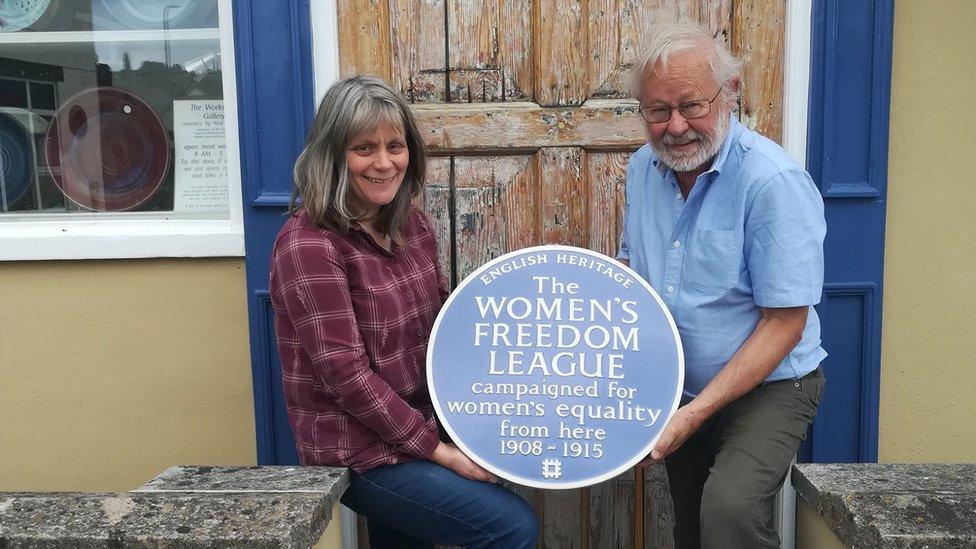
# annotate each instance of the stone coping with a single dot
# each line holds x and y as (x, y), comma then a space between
(200, 478)
(185, 506)
(871, 505)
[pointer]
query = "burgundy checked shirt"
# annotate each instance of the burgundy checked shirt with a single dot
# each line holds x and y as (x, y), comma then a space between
(352, 322)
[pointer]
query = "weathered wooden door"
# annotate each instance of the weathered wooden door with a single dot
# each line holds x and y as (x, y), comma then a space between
(524, 105)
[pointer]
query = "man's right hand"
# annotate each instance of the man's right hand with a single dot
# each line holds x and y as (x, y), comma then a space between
(448, 455)
(682, 425)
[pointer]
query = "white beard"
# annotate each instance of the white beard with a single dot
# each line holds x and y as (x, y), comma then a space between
(706, 148)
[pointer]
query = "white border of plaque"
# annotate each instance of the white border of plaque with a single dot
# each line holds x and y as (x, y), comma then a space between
(553, 484)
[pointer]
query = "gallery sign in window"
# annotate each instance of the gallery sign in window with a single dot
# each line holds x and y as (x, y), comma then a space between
(118, 117)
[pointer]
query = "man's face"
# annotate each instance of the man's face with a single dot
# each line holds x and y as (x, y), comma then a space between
(685, 145)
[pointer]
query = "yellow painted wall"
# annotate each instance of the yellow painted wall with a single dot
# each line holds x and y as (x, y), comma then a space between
(332, 537)
(812, 531)
(111, 371)
(928, 377)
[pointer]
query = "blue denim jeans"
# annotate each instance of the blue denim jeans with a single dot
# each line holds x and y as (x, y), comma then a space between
(420, 504)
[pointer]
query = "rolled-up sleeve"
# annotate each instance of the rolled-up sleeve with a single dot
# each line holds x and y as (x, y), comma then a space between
(784, 237)
(314, 292)
(623, 254)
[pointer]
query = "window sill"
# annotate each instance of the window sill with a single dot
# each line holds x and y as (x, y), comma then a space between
(120, 239)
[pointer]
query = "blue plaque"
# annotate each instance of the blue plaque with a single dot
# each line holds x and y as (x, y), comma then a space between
(555, 367)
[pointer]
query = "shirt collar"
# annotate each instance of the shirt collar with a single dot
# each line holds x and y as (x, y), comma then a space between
(735, 128)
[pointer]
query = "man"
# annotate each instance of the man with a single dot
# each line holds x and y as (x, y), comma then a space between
(729, 230)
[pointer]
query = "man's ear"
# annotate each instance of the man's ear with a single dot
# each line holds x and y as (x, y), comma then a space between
(733, 85)
(731, 90)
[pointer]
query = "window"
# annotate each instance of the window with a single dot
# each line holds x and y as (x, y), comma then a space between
(118, 130)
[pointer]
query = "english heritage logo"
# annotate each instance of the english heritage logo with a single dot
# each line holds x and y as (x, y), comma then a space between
(555, 367)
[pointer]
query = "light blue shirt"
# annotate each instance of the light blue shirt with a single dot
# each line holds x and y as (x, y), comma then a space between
(749, 235)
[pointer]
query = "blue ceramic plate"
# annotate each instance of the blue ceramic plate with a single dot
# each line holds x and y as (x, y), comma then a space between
(20, 14)
(16, 159)
(162, 14)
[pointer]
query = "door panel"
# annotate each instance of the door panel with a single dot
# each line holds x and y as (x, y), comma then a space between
(494, 200)
(757, 37)
(435, 201)
(417, 55)
(489, 51)
(606, 173)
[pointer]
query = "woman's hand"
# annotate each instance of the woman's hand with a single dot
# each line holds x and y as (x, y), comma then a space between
(448, 455)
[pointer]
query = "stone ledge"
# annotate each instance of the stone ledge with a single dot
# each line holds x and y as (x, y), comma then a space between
(870, 506)
(185, 506)
(153, 520)
(269, 479)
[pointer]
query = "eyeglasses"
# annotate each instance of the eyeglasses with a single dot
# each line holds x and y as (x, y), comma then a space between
(689, 110)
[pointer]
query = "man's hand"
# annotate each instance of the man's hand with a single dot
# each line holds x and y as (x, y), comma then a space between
(683, 424)
(448, 455)
(777, 332)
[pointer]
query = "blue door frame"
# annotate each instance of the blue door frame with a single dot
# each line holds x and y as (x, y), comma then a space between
(275, 95)
(846, 155)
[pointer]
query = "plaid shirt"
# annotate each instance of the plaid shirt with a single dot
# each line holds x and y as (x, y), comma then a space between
(352, 322)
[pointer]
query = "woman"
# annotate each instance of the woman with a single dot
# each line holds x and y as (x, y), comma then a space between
(356, 286)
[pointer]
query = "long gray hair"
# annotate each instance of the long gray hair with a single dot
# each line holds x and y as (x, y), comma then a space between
(350, 107)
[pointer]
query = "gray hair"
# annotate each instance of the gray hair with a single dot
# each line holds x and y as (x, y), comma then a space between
(668, 39)
(321, 174)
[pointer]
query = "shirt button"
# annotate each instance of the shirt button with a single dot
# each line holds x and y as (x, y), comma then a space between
(670, 289)
(677, 244)
(679, 196)
(409, 295)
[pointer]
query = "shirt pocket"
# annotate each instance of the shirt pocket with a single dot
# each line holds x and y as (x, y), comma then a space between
(716, 260)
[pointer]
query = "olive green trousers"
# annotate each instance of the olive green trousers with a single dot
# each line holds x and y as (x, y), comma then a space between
(725, 477)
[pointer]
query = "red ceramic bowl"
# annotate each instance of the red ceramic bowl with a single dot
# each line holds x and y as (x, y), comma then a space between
(107, 150)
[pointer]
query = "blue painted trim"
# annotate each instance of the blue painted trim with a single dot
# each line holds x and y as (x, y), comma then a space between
(870, 368)
(260, 373)
(860, 189)
(884, 15)
(272, 200)
(849, 164)
(274, 74)
(250, 168)
(302, 70)
(884, 20)
(826, 37)
(246, 97)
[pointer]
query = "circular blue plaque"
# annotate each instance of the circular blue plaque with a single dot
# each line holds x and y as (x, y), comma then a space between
(555, 367)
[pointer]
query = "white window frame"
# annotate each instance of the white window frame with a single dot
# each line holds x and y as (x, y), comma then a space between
(143, 234)
(324, 18)
(796, 106)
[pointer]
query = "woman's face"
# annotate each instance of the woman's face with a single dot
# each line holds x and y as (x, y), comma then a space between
(377, 160)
